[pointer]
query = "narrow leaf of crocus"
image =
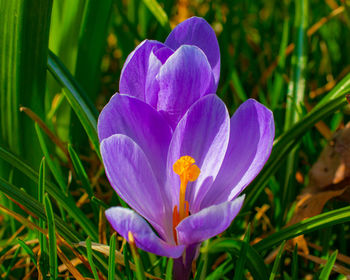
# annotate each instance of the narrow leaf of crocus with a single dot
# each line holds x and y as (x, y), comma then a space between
(243, 256)
(92, 42)
(324, 220)
(295, 263)
(238, 85)
(140, 274)
(76, 98)
(79, 169)
(67, 202)
(254, 261)
(158, 13)
(28, 251)
(52, 238)
(55, 170)
(127, 257)
(276, 264)
(199, 270)
(99, 202)
(90, 258)
(327, 269)
(296, 90)
(41, 236)
(277, 87)
(204, 260)
(169, 269)
(111, 259)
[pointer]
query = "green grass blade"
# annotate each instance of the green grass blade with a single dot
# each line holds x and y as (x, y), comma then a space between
(66, 202)
(277, 262)
(324, 220)
(158, 13)
(42, 224)
(327, 269)
(111, 259)
(295, 97)
(52, 238)
(239, 270)
(92, 41)
(169, 269)
(24, 31)
(90, 258)
(79, 169)
(140, 273)
(238, 85)
(277, 88)
(77, 99)
(295, 263)
(254, 262)
(55, 170)
(127, 258)
(29, 251)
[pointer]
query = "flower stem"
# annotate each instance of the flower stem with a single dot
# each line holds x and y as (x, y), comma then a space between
(182, 265)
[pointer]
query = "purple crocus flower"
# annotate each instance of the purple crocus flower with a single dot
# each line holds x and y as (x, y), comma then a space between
(172, 76)
(171, 151)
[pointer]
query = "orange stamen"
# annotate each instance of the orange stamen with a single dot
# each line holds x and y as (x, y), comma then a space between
(188, 172)
(176, 221)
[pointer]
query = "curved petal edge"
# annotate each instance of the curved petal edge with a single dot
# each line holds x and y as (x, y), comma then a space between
(124, 220)
(208, 222)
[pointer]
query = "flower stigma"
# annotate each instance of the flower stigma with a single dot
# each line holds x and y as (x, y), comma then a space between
(188, 172)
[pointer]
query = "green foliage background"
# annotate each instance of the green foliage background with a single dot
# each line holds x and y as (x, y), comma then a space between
(60, 62)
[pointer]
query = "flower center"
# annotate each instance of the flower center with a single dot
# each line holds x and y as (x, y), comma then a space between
(188, 172)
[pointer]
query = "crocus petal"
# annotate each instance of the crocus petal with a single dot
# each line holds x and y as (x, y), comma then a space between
(183, 79)
(138, 120)
(203, 134)
(135, 70)
(251, 137)
(208, 222)
(131, 176)
(196, 31)
(124, 220)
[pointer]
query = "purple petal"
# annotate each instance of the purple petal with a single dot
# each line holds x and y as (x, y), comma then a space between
(156, 60)
(251, 138)
(208, 222)
(203, 133)
(143, 124)
(125, 220)
(183, 79)
(131, 176)
(135, 70)
(196, 31)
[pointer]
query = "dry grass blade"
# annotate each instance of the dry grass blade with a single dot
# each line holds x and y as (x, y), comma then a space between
(71, 268)
(47, 131)
(22, 220)
(62, 268)
(340, 257)
(337, 267)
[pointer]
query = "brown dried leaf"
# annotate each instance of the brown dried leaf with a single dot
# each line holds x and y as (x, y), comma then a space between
(329, 179)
